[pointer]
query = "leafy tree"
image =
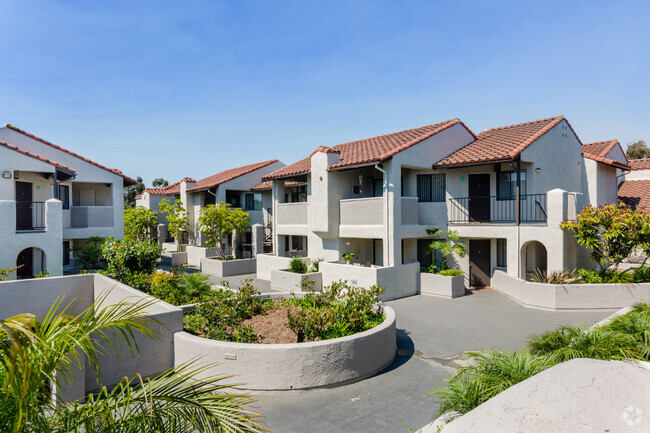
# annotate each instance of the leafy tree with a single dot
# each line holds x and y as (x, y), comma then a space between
(159, 181)
(131, 191)
(637, 150)
(217, 222)
(38, 353)
(5, 272)
(177, 219)
(90, 254)
(611, 232)
(447, 243)
(139, 223)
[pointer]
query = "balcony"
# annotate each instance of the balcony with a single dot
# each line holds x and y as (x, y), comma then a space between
(292, 214)
(91, 216)
(30, 216)
(493, 209)
(362, 211)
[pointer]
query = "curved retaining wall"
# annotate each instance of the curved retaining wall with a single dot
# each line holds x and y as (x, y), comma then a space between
(570, 296)
(297, 366)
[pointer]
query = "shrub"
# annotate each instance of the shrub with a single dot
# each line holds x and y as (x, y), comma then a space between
(316, 265)
(339, 310)
(605, 276)
(450, 272)
(555, 277)
(298, 266)
(642, 275)
(138, 280)
(89, 256)
(129, 256)
(180, 289)
(194, 286)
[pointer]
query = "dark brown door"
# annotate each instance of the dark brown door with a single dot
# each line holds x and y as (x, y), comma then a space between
(26, 259)
(479, 197)
(23, 206)
(479, 263)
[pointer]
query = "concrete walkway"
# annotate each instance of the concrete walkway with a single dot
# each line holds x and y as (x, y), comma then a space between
(432, 332)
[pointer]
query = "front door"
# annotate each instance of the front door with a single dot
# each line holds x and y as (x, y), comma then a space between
(479, 197)
(23, 206)
(26, 259)
(479, 263)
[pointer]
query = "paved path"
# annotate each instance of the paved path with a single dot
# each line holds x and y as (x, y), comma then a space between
(431, 332)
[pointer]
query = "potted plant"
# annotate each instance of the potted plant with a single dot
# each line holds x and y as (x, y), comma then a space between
(216, 223)
(445, 282)
(348, 257)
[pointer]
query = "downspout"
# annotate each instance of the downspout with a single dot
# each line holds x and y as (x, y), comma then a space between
(519, 217)
(385, 173)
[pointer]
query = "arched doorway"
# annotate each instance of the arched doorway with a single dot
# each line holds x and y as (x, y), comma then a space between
(31, 261)
(534, 257)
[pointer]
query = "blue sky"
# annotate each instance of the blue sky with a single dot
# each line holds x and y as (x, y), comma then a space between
(190, 88)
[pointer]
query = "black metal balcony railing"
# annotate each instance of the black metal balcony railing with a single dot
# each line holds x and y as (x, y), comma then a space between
(30, 215)
(494, 209)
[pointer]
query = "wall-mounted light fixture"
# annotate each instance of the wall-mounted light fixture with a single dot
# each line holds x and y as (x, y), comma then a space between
(538, 170)
(6, 175)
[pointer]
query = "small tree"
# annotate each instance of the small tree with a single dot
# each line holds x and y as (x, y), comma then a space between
(447, 243)
(217, 222)
(637, 150)
(130, 192)
(611, 232)
(139, 222)
(159, 182)
(177, 219)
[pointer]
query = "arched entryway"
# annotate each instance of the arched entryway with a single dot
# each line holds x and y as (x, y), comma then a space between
(31, 261)
(533, 257)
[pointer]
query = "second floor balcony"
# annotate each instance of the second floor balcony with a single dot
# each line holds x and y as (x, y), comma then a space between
(292, 214)
(91, 216)
(498, 210)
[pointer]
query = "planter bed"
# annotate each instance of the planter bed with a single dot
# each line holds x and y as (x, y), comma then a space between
(296, 366)
(228, 268)
(570, 296)
(441, 285)
(291, 281)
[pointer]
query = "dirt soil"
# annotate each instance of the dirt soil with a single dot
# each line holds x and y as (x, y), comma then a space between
(272, 328)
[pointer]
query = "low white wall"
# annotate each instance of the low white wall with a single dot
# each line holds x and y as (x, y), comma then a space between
(570, 296)
(298, 366)
(441, 285)
(195, 254)
(399, 281)
(290, 281)
(228, 268)
(268, 262)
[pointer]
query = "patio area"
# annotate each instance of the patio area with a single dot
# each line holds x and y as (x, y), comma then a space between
(432, 333)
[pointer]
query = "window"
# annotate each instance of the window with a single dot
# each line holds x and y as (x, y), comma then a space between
(253, 201)
(295, 194)
(428, 258)
(64, 196)
(297, 243)
(507, 185)
(209, 198)
(431, 187)
(502, 253)
(234, 198)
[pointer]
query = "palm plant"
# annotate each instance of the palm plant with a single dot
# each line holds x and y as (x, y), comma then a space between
(447, 247)
(555, 277)
(490, 373)
(38, 357)
(570, 342)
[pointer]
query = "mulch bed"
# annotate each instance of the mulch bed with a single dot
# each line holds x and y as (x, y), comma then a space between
(272, 327)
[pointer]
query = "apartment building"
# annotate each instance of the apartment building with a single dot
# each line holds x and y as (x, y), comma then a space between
(51, 200)
(504, 191)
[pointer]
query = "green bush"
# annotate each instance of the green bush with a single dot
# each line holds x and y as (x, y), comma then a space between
(181, 289)
(606, 276)
(138, 280)
(130, 256)
(450, 272)
(89, 256)
(316, 265)
(339, 310)
(642, 275)
(555, 277)
(298, 266)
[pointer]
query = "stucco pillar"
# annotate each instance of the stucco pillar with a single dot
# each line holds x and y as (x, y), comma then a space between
(54, 246)
(257, 246)
(161, 233)
(555, 241)
(278, 197)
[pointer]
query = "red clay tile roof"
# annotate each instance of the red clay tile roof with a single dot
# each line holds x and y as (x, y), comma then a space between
(266, 185)
(38, 157)
(174, 188)
(230, 174)
(369, 150)
(502, 143)
(598, 152)
(112, 170)
(635, 193)
(639, 164)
